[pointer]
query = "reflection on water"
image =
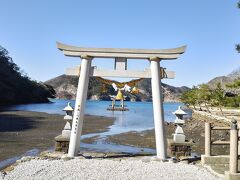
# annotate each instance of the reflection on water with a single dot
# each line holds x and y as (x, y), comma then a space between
(99, 147)
(138, 118)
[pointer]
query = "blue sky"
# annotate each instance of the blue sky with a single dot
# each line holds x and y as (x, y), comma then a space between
(29, 31)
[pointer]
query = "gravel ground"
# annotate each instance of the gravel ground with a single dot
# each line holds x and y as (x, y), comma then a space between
(107, 169)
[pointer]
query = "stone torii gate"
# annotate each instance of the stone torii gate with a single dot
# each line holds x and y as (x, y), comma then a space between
(121, 56)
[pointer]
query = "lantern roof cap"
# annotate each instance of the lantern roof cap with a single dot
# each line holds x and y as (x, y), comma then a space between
(179, 111)
(68, 107)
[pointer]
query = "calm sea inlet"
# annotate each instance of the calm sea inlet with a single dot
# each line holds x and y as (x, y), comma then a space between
(138, 118)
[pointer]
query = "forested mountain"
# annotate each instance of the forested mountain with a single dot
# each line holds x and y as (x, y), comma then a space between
(66, 87)
(15, 87)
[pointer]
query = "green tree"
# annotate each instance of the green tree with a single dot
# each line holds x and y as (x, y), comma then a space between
(197, 95)
(234, 86)
(189, 97)
(204, 95)
(238, 48)
(234, 100)
(218, 97)
(185, 98)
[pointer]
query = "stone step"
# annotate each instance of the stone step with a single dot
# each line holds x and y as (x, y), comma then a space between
(208, 160)
(220, 168)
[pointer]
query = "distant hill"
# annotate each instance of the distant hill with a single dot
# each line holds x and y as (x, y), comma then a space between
(223, 80)
(66, 87)
(16, 88)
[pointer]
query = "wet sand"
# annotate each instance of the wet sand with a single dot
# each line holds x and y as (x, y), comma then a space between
(21, 131)
(194, 129)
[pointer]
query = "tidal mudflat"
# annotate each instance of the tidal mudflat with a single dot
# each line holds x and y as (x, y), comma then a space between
(21, 131)
(193, 129)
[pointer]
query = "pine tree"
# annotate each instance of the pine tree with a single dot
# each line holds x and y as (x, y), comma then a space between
(189, 97)
(204, 95)
(218, 97)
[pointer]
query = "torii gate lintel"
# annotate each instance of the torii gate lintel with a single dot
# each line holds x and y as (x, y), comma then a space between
(95, 72)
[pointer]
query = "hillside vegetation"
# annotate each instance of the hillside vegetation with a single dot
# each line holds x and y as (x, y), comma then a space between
(223, 91)
(66, 88)
(16, 88)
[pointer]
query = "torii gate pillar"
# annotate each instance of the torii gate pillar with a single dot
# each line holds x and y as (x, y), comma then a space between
(158, 113)
(79, 107)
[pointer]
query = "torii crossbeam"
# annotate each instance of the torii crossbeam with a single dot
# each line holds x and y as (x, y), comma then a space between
(120, 70)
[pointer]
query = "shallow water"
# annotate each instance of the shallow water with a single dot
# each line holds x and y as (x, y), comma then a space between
(138, 118)
(7, 162)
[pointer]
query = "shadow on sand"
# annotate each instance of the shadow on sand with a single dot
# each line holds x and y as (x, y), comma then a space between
(11, 122)
(112, 155)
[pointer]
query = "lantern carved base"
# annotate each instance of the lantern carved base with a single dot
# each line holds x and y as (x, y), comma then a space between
(62, 143)
(178, 150)
(179, 138)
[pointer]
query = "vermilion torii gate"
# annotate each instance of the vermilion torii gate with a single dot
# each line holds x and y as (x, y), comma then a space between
(121, 56)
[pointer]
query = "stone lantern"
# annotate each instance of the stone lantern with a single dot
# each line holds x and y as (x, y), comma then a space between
(62, 140)
(66, 132)
(179, 136)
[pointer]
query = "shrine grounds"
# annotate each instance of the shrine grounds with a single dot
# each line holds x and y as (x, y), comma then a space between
(21, 131)
(27, 130)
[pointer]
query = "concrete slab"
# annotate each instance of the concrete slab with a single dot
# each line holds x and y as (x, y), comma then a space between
(220, 165)
(229, 176)
(208, 160)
